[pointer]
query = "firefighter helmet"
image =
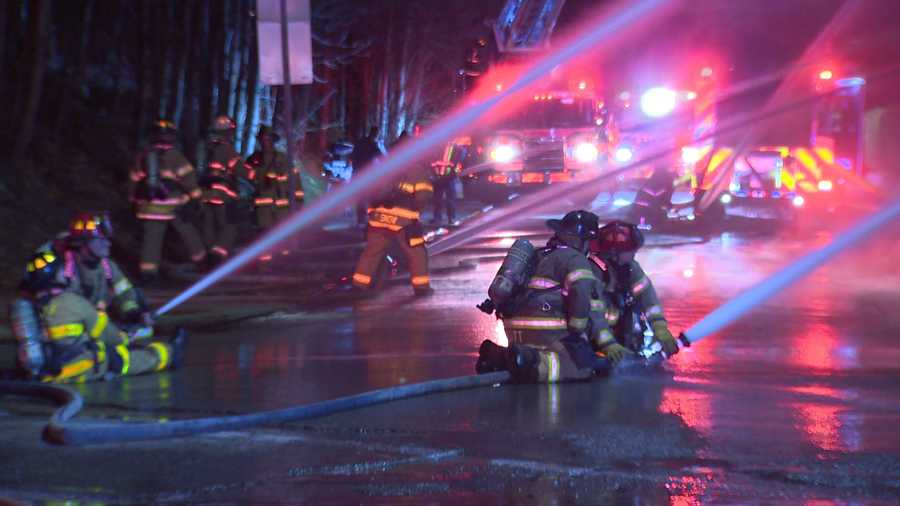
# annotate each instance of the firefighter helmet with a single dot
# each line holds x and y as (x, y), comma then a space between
(163, 130)
(90, 224)
(42, 272)
(267, 131)
(582, 224)
(223, 124)
(617, 237)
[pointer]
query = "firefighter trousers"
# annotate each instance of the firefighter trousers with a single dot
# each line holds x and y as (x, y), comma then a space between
(218, 233)
(154, 232)
(268, 215)
(378, 243)
(564, 358)
(110, 360)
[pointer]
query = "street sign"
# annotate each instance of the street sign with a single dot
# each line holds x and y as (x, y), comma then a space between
(268, 24)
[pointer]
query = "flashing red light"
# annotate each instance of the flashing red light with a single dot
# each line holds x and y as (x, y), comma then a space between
(498, 178)
(825, 75)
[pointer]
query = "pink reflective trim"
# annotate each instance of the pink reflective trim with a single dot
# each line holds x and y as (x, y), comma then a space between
(224, 189)
(168, 202)
(218, 250)
(216, 166)
(640, 285)
(198, 256)
(107, 269)
(542, 283)
(70, 264)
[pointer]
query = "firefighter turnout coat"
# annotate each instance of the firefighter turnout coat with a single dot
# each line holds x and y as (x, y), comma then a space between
(83, 344)
(394, 218)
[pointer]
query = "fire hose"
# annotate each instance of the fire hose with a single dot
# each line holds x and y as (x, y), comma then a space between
(58, 431)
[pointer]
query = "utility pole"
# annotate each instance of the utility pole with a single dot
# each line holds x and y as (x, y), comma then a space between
(288, 107)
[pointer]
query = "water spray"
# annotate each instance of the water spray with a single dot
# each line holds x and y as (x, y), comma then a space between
(752, 297)
(433, 137)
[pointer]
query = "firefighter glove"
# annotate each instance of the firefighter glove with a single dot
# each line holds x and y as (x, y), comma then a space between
(616, 352)
(665, 337)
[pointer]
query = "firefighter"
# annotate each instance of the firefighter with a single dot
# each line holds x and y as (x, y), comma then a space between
(268, 169)
(627, 301)
(70, 340)
(91, 273)
(548, 323)
(226, 189)
(394, 218)
(445, 175)
(165, 192)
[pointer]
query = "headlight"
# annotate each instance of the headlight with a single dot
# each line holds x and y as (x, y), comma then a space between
(586, 152)
(725, 198)
(503, 153)
(825, 185)
(658, 102)
(798, 201)
(691, 154)
(624, 154)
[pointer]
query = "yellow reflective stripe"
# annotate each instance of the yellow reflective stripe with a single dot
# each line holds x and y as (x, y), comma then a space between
(416, 241)
(577, 275)
(578, 323)
(72, 370)
(552, 361)
(423, 187)
(361, 278)
(398, 211)
(640, 285)
(407, 187)
(535, 322)
(184, 170)
(125, 354)
(121, 286)
(420, 280)
(100, 324)
(605, 337)
(378, 224)
(101, 352)
(67, 330)
(163, 352)
(598, 305)
(655, 311)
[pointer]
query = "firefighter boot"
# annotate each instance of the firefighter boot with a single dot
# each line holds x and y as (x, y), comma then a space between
(523, 363)
(491, 358)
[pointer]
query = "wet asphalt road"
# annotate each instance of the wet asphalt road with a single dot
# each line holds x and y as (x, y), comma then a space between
(797, 403)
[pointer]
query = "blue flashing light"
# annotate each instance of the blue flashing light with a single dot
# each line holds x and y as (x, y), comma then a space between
(850, 82)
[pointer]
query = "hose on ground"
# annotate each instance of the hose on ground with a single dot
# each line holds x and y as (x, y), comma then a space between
(77, 434)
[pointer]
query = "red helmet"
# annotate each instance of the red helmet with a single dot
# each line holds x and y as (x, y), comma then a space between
(91, 224)
(617, 237)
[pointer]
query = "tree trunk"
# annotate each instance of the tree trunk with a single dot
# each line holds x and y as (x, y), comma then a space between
(35, 88)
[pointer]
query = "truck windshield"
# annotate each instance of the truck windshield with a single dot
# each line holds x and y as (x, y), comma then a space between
(552, 113)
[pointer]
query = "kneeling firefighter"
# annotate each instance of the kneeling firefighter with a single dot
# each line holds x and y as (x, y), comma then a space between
(628, 304)
(544, 299)
(63, 338)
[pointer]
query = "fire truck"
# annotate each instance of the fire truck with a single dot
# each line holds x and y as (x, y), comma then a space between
(563, 132)
(778, 181)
